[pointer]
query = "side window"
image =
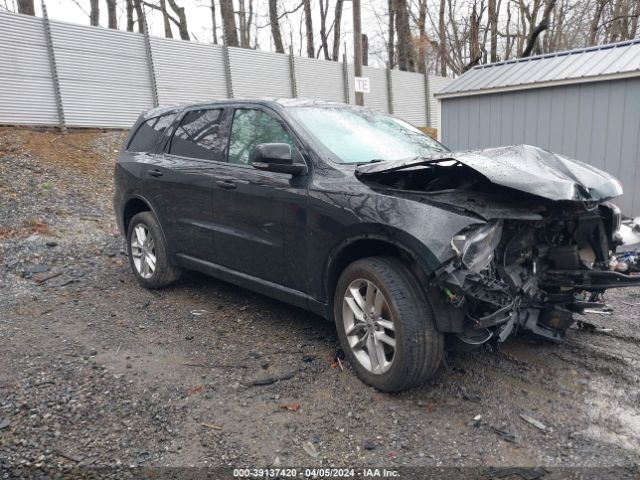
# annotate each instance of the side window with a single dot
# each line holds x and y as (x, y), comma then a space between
(150, 133)
(250, 128)
(199, 136)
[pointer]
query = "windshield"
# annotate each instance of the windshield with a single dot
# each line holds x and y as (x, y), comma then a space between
(361, 136)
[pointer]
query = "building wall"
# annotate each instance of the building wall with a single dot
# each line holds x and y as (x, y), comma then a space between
(598, 123)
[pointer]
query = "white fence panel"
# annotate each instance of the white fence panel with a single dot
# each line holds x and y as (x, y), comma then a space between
(26, 89)
(409, 97)
(259, 74)
(378, 98)
(104, 78)
(319, 79)
(188, 71)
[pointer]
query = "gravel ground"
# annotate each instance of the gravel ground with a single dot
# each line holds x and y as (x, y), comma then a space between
(96, 371)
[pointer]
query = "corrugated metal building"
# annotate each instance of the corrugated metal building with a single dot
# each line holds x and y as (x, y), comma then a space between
(582, 103)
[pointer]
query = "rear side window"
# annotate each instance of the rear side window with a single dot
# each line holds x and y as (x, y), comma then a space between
(150, 133)
(199, 135)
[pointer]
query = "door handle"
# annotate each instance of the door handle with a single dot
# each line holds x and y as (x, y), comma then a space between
(155, 173)
(226, 184)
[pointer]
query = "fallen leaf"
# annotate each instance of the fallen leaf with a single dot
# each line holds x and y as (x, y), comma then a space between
(292, 407)
(194, 390)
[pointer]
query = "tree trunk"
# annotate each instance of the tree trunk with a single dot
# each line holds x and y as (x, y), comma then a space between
(129, 8)
(140, 14)
(406, 49)
(182, 19)
(26, 7)
(541, 27)
(365, 50)
(493, 27)
(94, 14)
(392, 33)
(424, 40)
(308, 23)
(275, 26)
(442, 38)
(214, 22)
(112, 14)
(165, 19)
(229, 23)
(335, 55)
(474, 41)
(324, 40)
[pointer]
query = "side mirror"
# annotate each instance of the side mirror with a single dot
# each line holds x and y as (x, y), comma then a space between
(276, 157)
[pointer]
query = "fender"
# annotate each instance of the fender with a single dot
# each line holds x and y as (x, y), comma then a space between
(152, 209)
(411, 246)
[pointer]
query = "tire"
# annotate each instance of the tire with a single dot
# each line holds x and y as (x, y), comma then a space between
(164, 272)
(419, 347)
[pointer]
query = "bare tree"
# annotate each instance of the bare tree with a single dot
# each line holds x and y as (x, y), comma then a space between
(337, 20)
(541, 27)
(493, 27)
(140, 15)
(406, 50)
(112, 14)
(129, 9)
(182, 20)
(26, 7)
(94, 15)
(442, 34)
(214, 22)
(229, 23)
(245, 19)
(166, 22)
(324, 45)
(308, 23)
(275, 26)
(392, 35)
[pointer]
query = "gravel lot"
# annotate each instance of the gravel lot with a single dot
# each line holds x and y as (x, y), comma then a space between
(96, 371)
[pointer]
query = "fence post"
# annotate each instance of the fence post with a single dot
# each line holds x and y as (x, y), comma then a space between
(345, 75)
(227, 67)
(152, 71)
(292, 72)
(389, 90)
(54, 69)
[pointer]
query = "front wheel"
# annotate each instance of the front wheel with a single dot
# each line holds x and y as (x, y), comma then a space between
(386, 325)
(148, 252)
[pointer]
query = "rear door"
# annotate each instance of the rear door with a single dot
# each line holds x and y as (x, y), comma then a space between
(185, 179)
(260, 216)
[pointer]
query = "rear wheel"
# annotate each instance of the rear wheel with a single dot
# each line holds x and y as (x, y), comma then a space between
(148, 253)
(386, 325)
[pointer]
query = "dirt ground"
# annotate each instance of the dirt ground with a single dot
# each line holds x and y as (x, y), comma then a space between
(96, 371)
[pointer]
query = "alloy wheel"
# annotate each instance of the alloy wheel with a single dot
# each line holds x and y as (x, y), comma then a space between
(143, 251)
(369, 326)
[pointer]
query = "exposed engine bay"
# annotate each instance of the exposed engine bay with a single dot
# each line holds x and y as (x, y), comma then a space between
(532, 261)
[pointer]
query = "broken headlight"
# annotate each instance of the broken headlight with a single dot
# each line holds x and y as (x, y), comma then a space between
(475, 246)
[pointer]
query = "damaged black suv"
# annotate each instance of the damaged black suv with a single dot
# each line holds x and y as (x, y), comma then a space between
(363, 219)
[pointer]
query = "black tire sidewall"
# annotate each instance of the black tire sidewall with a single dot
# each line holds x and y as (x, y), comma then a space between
(414, 315)
(163, 268)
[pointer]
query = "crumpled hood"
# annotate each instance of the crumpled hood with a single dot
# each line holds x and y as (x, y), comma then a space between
(522, 167)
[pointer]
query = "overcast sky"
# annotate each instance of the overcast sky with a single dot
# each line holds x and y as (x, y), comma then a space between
(200, 25)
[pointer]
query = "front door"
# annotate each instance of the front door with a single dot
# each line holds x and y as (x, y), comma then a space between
(260, 216)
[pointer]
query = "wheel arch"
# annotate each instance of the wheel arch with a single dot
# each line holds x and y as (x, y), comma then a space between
(370, 245)
(138, 204)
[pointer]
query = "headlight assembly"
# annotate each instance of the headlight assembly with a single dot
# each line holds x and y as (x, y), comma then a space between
(475, 247)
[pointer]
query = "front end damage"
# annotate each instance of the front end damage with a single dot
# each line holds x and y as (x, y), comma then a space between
(537, 255)
(511, 275)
